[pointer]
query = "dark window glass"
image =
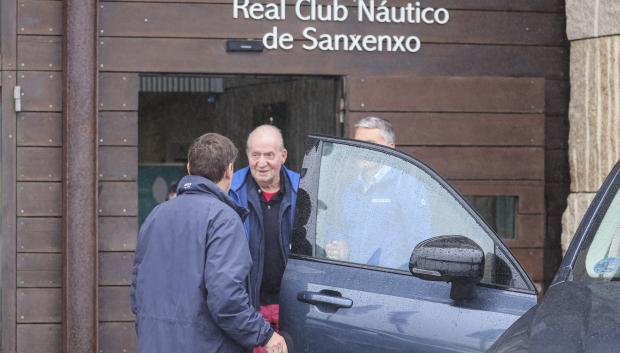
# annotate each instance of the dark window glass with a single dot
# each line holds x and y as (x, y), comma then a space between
(498, 211)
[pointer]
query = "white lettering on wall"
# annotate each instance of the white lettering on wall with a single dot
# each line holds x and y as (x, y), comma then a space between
(357, 42)
(379, 11)
(411, 13)
(259, 11)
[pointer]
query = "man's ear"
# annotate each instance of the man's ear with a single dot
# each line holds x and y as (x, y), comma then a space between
(229, 171)
(284, 154)
(188, 169)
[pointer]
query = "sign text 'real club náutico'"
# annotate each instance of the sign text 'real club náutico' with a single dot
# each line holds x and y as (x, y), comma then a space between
(369, 11)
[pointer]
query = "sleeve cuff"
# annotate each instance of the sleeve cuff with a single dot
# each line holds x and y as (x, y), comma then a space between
(268, 336)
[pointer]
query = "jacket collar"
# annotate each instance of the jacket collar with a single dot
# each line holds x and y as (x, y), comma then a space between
(239, 179)
(194, 184)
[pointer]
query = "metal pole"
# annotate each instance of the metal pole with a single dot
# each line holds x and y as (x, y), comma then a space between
(80, 302)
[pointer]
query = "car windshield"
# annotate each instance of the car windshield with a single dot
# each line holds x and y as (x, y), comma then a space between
(600, 260)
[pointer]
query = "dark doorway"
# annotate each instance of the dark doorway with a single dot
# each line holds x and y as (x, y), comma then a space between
(175, 109)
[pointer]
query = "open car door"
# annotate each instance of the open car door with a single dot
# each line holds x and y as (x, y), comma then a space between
(354, 282)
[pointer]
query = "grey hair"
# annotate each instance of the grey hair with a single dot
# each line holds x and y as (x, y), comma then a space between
(373, 122)
(268, 129)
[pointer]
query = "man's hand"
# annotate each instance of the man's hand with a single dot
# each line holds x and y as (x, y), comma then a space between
(276, 344)
(337, 250)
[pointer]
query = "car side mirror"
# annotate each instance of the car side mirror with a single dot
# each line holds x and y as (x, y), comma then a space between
(449, 258)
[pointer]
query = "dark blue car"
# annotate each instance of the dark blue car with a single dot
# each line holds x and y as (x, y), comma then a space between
(581, 310)
(387, 257)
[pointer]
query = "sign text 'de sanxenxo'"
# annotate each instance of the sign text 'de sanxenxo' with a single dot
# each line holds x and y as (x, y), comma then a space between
(369, 11)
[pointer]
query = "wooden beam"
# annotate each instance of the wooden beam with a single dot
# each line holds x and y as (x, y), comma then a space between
(8, 212)
(80, 299)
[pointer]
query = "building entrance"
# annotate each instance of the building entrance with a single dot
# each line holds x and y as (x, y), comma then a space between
(175, 109)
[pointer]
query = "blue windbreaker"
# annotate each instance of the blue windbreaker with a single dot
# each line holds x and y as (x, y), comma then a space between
(190, 273)
(242, 196)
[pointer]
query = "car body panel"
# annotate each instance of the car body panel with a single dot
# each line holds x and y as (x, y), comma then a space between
(391, 312)
(574, 317)
(578, 314)
(366, 308)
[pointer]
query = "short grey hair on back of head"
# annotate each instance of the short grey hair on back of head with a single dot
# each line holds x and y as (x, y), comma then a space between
(373, 122)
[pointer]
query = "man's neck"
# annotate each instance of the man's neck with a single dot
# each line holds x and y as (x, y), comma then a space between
(270, 187)
(224, 186)
(369, 179)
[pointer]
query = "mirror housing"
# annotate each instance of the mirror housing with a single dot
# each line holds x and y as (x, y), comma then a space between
(449, 258)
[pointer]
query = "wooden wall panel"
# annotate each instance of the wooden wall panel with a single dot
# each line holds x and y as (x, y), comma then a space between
(530, 213)
(463, 129)
(118, 128)
(530, 232)
(482, 163)
(39, 270)
(557, 94)
(118, 91)
(39, 17)
(216, 20)
(39, 199)
(557, 164)
(532, 261)
(8, 23)
(498, 5)
(118, 163)
(39, 305)
(39, 129)
(118, 233)
(115, 268)
(447, 94)
(531, 194)
(556, 207)
(39, 53)
(39, 235)
(39, 338)
(114, 304)
(209, 55)
(41, 91)
(118, 199)
(556, 131)
(39, 164)
(117, 337)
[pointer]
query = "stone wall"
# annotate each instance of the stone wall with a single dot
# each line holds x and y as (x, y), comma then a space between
(593, 27)
(592, 18)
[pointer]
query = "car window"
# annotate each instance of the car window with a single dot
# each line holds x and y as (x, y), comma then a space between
(374, 207)
(600, 260)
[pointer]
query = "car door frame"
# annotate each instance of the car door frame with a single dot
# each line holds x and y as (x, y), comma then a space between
(589, 224)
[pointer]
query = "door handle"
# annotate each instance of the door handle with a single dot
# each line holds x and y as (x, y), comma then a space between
(333, 299)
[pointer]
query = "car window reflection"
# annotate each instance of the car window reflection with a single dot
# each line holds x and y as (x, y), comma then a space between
(373, 208)
(602, 259)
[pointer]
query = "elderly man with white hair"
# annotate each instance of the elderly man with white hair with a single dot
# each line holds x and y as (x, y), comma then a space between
(269, 191)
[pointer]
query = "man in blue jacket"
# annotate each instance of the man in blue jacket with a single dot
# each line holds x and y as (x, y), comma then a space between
(269, 191)
(192, 264)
